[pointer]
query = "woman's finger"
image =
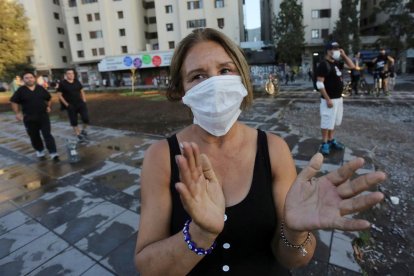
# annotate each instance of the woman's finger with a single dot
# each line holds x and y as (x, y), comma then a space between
(345, 172)
(362, 183)
(189, 155)
(207, 168)
(186, 175)
(360, 203)
(312, 168)
(347, 224)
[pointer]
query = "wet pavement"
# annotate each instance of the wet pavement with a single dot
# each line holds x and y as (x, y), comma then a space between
(82, 218)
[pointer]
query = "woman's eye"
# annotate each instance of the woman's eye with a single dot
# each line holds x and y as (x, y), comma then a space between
(197, 77)
(225, 71)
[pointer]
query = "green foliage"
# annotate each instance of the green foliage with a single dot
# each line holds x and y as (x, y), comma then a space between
(15, 44)
(398, 31)
(346, 31)
(289, 32)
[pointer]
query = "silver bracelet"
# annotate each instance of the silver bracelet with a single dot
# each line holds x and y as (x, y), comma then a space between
(301, 246)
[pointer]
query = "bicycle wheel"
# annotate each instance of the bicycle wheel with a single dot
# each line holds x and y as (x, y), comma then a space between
(363, 87)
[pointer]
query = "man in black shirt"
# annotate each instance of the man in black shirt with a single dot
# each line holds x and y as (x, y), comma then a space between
(72, 96)
(35, 102)
(382, 64)
(329, 84)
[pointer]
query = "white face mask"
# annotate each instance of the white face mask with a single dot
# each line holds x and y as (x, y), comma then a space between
(336, 54)
(215, 103)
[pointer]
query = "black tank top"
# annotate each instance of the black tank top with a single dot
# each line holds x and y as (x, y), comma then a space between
(244, 245)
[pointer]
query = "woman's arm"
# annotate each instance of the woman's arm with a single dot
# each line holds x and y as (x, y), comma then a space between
(283, 175)
(159, 252)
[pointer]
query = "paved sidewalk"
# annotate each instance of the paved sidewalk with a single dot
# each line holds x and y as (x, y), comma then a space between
(82, 219)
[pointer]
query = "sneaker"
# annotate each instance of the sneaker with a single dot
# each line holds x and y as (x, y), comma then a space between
(84, 133)
(325, 149)
(81, 138)
(55, 157)
(40, 154)
(333, 144)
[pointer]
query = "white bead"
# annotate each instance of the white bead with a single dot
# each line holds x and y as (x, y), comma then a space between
(226, 245)
(226, 268)
(225, 217)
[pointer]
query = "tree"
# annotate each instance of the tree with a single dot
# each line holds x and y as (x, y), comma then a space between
(289, 32)
(346, 31)
(398, 31)
(15, 44)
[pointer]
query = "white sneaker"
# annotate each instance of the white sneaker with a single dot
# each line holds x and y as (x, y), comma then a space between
(54, 156)
(40, 154)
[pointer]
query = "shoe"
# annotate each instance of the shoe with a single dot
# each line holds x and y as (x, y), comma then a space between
(41, 154)
(325, 149)
(84, 133)
(81, 138)
(333, 144)
(55, 157)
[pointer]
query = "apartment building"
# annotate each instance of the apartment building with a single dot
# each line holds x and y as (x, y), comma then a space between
(51, 48)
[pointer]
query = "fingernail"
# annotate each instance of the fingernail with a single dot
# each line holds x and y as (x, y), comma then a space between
(181, 145)
(176, 159)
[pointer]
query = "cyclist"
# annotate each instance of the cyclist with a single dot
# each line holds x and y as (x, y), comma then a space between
(382, 62)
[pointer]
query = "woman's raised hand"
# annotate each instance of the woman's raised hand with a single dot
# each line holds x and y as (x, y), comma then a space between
(321, 203)
(200, 191)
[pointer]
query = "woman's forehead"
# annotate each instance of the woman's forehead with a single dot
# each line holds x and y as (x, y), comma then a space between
(203, 53)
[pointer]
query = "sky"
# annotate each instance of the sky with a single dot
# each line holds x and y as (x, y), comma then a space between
(252, 14)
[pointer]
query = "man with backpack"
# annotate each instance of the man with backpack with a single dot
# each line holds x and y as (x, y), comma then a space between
(330, 85)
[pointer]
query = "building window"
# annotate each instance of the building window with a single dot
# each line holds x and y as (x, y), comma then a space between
(56, 15)
(155, 46)
(315, 33)
(56, 2)
(199, 23)
(94, 52)
(152, 20)
(170, 27)
(102, 51)
(194, 5)
(321, 13)
(72, 3)
(60, 30)
(151, 35)
(89, 1)
(121, 32)
(79, 37)
(89, 17)
(324, 33)
(120, 14)
(61, 44)
(171, 44)
(168, 9)
(95, 34)
(64, 59)
(124, 49)
(220, 23)
(81, 54)
(76, 19)
(149, 5)
(219, 4)
(97, 16)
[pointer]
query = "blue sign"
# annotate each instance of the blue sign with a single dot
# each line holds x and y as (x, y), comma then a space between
(127, 61)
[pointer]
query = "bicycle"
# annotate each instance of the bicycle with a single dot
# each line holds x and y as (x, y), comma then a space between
(377, 83)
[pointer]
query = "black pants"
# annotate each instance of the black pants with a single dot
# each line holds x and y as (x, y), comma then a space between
(40, 124)
(355, 82)
(74, 110)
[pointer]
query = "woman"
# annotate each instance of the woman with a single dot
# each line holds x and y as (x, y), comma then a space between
(221, 197)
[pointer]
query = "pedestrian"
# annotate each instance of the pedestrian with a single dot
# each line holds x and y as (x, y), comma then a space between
(382, 63)
(15, 84)
(35, 103)
(287, 74)
(356, 72)
(310, 74)
(221, 197)
(72, 96)
(330, 85)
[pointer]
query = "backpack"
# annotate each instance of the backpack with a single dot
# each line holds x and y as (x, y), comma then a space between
(314, 77)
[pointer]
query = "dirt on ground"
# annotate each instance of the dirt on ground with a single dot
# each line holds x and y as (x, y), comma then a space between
(386, 131)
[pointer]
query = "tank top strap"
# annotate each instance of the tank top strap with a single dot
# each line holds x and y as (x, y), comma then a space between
(263, 151)
(174, 150)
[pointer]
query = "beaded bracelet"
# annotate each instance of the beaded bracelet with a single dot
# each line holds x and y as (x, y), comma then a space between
(192, 245)
(301, 247)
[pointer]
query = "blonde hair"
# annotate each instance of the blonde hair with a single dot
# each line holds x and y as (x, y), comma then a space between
(176, 91)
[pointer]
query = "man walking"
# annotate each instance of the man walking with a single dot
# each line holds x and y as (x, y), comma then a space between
(329, 84)
(35, 102)
(72, 96)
